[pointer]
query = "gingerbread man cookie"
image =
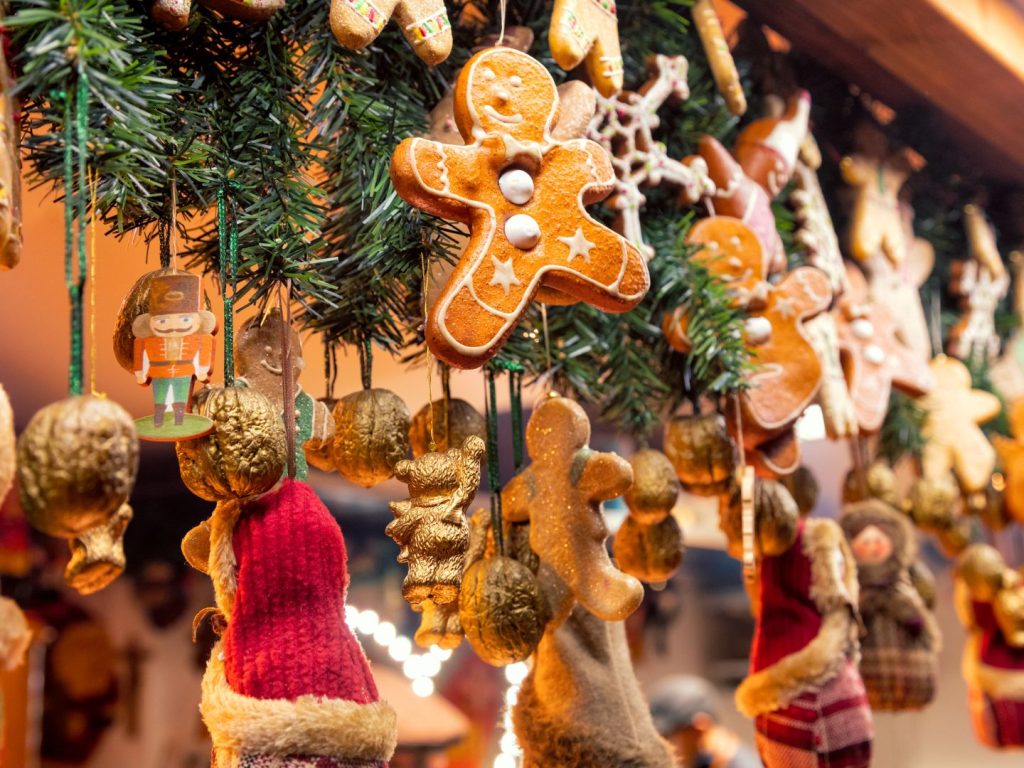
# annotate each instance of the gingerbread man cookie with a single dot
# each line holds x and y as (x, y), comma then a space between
(588, 31)
(767, 148)
(876, 222)
(786, 371)
(425, 24)
(875, 358)
(1011, 456)
(624, 126)
(981, 283)
(837, 407)
(953, 438)
(524, 196)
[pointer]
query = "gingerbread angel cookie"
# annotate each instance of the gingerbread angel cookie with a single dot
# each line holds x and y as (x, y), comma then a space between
(786, 371)
(981, 283)
(874, 355)
(587, 31)
(425, 24)
(524, 196)
(624, 126)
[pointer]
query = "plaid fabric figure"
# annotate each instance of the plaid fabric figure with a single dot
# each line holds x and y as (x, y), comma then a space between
(250, 760)
(827, 728)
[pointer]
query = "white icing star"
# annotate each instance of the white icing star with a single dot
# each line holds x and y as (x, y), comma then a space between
(785, 307)
(578, 245)
(504, 274)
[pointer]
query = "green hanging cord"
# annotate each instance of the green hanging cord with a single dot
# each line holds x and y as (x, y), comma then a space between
(493, 469)
(76, 126)
(227, 237)
(515, 391)
(366, 362)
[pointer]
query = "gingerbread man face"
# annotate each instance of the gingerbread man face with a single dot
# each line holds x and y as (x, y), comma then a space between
(954, 439)
(588, 30)
(524, 196)
(560, 494)
(509, 95)
(875, 357)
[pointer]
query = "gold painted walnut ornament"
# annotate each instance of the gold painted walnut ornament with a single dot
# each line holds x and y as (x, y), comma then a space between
(246, 453)
(462, 420)
(649, 543)
(431, 531)
(702, 452)
(77, 461)
(371, 435)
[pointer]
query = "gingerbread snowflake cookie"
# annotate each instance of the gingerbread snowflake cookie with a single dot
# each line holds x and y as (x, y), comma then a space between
(523, 195)
(624, 126)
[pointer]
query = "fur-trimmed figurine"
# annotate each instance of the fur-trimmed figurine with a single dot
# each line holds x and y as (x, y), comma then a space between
(580, 706)
(431, 530)
(989, 598)
(804, 693)
(899, 650)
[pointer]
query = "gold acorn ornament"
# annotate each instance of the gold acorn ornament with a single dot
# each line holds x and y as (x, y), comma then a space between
(649, 543)
(702, 451)
(371, 435)
(8, 444)
(77, 461)
(451, 425)
(245, 454)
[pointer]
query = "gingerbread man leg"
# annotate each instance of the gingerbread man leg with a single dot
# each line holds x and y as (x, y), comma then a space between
(588, 30)
(425, 24)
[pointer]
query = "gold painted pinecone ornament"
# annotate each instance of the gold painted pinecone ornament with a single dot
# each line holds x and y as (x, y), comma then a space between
(77, 461)
(245, 455)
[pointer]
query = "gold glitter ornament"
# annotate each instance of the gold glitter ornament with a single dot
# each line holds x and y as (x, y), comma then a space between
(500, 610)
(246, 453)
(371, 435)
(560, 494)
(650, 552)
(776, 516)
(933, 503)
(431, 531)
(956, 538)
(8, 444)
(702, 452)
(462, 421)
(982, 569)
(134, 304)
(77, 461)
(879, 483)
(655, 487)
(319, 448)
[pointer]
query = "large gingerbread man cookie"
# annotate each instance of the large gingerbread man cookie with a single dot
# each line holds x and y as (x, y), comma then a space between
(786, 371)
(524, 196)
(875, 357)
(588, 31)
(425, 24)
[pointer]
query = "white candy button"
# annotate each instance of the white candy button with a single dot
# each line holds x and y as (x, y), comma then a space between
(874, 354)
(522, 231)
(863, 329)
(758, 329)
(517, 186)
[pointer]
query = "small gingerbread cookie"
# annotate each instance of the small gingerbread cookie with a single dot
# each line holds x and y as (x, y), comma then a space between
(588, 31)
(767, 148)
(425, 24)
(716, 48)
(524, 196)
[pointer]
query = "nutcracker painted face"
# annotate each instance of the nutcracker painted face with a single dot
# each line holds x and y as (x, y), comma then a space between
(175, 325)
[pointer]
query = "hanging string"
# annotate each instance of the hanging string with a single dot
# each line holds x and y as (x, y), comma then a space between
(748, 512)
(76, 125)
(446, 395)
(288, 379)
(493, 469)
(515, 373)
(174, 218)
(93, 183)
(366, 362)
(330, 368)
(165, 243)
(430, 359)
(227, 244)
(504, 13)
(547, 337)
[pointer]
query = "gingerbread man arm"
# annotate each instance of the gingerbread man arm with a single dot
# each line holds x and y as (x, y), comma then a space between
(604, 477)
(425, 24)
(420, 174)
(597, 159)
(517, 497)
(809, 289)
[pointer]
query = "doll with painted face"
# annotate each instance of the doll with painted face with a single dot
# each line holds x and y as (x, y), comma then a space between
(173, 347)
(899, 651)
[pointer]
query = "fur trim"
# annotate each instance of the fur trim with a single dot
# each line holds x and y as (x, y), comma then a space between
(812, 666)
(993, 681)
(310, 725)
(223, 566)
(833, 568)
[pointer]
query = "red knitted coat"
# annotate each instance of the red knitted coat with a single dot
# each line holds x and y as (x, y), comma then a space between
(288, 677)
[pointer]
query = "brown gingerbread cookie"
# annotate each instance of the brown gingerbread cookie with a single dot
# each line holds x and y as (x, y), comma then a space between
(587, 31)
(524, 196)
(425, 24)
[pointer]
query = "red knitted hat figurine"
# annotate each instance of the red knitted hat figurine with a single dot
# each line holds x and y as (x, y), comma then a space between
(288, 684)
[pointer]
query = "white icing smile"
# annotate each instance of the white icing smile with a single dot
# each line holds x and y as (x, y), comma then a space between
(274, 369)
(491, 112)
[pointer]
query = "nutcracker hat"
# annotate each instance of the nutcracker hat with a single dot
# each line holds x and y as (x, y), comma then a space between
(174, 293)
